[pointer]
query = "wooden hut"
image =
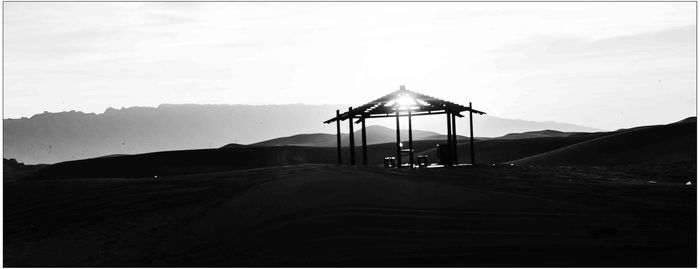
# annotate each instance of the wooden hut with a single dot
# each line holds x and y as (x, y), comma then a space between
(405, 103)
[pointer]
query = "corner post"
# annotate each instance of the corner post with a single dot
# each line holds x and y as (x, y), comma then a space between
(337, 136)
(454, 140)
(352, 137)
(398, 141)
(410, 138)
(449, 139)
(471, 134)
(364, 143)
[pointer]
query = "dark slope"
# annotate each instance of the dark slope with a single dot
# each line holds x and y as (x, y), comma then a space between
(12, 169)
(209, 160)
(501, 150)
(186, 162)
(653, 144)
(380, 134)
(688, 120)
(212, 160)
(676, 142)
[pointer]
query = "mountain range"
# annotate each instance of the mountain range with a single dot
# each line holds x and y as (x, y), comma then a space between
(56, 137)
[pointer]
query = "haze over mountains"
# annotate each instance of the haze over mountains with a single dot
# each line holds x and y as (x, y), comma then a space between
(57, 137)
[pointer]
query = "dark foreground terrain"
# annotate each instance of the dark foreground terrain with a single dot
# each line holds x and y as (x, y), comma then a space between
(327, 215)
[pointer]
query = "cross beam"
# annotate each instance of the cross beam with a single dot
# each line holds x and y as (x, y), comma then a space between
(406, 115)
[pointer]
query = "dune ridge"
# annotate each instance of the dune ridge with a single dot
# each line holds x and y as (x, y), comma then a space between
(675, 142)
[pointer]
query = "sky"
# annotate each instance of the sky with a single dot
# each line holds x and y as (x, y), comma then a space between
(603, 65)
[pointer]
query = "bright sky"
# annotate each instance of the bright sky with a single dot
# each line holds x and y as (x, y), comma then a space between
(604, 65)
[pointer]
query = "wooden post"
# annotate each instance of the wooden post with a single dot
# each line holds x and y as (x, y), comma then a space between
(454, 140)
(352, 137)
(410, 138)
(337, 129)
(398, 141)
(471, 134)
(364, 143)
(449, 139)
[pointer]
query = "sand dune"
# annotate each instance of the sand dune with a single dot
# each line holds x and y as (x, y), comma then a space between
(502, 150)
(286, 206)
(245, 157)
(327, 215)
(676, 142)
(644, 145)
(186, 162)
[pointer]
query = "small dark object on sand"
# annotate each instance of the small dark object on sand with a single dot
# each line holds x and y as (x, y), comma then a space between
(422, 160)
(390, 162)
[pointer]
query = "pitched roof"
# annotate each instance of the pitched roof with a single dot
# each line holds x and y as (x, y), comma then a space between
(387, 104)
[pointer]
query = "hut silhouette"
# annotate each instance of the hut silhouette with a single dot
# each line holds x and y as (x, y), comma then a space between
(405, 103)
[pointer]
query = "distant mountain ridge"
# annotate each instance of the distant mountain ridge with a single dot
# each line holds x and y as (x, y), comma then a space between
(535, 134)
(57, 137)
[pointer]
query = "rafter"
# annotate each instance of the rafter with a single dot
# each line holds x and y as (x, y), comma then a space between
(384, 105)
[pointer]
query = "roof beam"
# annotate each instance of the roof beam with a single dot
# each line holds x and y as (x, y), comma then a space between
(379, 106)
(406, 115)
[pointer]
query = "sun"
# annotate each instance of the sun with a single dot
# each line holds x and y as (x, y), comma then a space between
(405, 101)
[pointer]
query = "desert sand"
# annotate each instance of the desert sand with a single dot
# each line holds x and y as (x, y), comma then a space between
(328, 215)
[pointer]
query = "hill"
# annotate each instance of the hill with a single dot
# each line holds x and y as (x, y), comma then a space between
(246, 157)
(659, 144)
(186, 162)
(309, 140)
(14, 170)
(212, 160)
(688, 120)
(459, 137)
(375, 135)
(650, 144)
(535, 134)
(58, 137)
(234, 145)
(491, 151)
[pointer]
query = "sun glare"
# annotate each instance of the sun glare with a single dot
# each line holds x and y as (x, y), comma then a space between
(405, 101)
